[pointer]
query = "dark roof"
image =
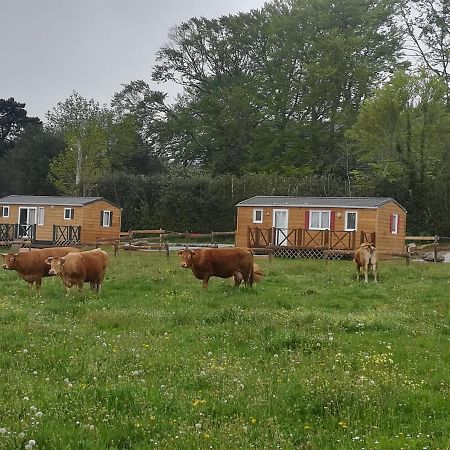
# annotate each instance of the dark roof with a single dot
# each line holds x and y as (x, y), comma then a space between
(49, 200)
(318, 202)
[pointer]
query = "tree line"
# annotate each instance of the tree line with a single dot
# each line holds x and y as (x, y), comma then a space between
(324, 98)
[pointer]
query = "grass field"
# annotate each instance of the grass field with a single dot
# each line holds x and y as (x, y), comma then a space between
(308, 359)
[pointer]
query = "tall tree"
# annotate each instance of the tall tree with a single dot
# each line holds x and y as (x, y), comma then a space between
(24, 169)
(84, 124)
(275, 88)
(138, 112)
(403, 135)
(429, 37)
(13, 119)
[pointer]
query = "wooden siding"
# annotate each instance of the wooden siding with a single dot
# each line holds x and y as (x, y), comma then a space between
(386, 240)
(368, 220)
(91, 228)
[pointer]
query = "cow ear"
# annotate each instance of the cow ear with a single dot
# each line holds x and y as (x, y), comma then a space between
(180, 252)
(193, 253)
(4, 255)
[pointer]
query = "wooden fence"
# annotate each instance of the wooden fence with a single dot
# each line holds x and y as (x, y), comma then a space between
(157, 239)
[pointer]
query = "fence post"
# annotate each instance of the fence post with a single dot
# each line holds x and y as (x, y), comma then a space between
(436, 238)
(166, 247)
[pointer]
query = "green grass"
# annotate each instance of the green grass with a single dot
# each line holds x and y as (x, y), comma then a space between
(308, 359)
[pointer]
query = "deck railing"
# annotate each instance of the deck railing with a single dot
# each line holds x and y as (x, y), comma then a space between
(10, 232)
(302, 238)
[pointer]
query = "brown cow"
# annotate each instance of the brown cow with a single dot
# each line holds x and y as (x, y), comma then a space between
(219, 262)
(366, 256)
(78, 268)
(257, 275)
(31, 265)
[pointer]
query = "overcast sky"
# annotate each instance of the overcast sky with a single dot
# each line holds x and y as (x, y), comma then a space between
(51, 48)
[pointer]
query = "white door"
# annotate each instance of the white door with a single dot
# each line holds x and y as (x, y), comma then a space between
(27, 218)
(280, 225)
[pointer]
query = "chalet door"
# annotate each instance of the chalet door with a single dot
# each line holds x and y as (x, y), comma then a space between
(27, 220)
(280, 226)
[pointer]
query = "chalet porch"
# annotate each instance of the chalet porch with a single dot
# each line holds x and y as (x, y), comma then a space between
(307, 243)
(16, 233)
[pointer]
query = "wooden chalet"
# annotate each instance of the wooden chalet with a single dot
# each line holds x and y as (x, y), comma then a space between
(337, 224)
(58, 220)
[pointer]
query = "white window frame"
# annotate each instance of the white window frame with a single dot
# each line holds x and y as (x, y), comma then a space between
(5, 208)
(346, 220)
(321, 212)
(106, 214)
(394, 224)
(40, 215)
(70, 213)
(256, 210)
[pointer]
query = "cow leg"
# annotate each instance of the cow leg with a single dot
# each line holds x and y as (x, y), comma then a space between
(366, 273)
(358, 271)
(80, 286)
(100, 281)
(38, 286)
(237, 278)
(374, 270)
(205, 281)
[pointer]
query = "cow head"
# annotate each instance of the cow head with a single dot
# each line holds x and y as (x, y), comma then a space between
(56, 265)
(10, 260)
(369, 247)
(187, 258)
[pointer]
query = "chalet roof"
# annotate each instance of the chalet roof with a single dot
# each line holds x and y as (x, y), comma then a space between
(318, 202)
(48, 200)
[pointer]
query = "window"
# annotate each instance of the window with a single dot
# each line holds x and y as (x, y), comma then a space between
(394, 224)
(5, 211)
(319, 220)
(40, 218)
(106, 218)
(257, 216)
(350, 220)
(68, 213)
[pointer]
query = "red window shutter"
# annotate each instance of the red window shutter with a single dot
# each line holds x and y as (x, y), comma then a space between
(398, 223)
(391, 221)
(72, 213)
(101, 218)
(307, 220)
(110, 218)
(1, 211)
(333, 220)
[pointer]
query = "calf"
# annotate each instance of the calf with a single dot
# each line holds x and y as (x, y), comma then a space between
(78, 268)
(257, 275)
(366, 256)
(219, 262)
(32, 265)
